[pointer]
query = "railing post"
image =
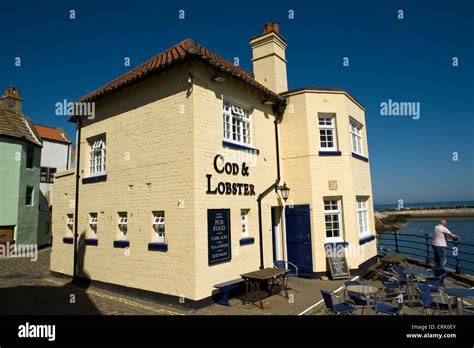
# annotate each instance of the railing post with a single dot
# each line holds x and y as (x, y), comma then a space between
(458, 266)
(427, 248)
(395, 233)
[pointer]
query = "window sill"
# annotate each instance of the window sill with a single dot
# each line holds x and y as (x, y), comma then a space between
(93, 179)
(91, 241)
(336, 244)
(366, 239)
(362, 158)
(157, 246)
(246, 241)
(329, 153)
(121, 243)
(68, 240)
(240, 147)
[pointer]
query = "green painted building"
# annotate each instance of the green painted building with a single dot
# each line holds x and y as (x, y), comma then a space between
(20, 157)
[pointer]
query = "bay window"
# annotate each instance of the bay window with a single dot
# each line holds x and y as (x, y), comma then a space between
(333, 220)
(356, 138)
(362, 216)
(327, 132)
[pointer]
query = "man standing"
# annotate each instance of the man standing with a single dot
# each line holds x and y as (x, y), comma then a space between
(439, 243)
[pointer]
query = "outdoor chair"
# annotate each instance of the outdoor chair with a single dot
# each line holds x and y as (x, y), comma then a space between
(387, 308)
(358, 299)
(399, 270)
(293, 274)
(429, 302)
(437, 281)
(343, 307)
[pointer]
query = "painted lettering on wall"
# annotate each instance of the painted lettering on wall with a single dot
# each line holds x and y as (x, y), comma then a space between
(229, 188)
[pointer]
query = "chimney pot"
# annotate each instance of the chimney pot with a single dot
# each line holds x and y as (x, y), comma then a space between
(268, 27)
(276, 27)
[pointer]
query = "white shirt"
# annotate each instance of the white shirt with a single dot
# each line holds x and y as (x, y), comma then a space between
(439, 236)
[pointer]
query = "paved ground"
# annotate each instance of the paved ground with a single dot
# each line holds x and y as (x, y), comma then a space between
(27, 288)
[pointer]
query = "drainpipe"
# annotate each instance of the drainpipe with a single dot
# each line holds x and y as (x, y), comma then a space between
(76, 203)
(274, 186)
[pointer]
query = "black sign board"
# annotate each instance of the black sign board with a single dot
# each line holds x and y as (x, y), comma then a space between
(218, 235)
(336, 258)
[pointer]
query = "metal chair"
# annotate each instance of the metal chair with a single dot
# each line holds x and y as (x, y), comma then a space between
(346, 306)
(358, 299)
(387, 308)
(399, 270)
(429, 302)
(281, 264)
(437, 281)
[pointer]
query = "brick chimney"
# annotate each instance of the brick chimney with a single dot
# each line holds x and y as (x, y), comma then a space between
(268, 57)
(11, 100)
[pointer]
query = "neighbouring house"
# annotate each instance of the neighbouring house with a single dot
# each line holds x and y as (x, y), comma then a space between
(183, 174)
(55, 157)
(20, 158)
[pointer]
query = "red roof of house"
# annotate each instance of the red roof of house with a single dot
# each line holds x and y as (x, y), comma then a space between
(179, 52)
(50, 133)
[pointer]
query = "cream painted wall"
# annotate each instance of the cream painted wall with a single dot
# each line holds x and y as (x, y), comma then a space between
(208, 136)
(300, 151)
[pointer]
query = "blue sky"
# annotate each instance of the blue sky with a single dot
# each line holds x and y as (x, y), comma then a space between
(407, 60)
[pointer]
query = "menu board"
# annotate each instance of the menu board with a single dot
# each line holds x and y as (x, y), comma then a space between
(336, 258)
(218, 234)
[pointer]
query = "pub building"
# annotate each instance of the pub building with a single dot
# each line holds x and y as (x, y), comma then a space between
(193, 171)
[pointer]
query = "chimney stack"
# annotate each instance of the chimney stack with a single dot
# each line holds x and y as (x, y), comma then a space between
(11, 100)
(268, 57)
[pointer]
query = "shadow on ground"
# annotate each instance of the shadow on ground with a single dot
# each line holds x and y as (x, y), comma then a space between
(70, 298)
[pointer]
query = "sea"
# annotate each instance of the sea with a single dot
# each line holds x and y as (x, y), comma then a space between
(464, 227)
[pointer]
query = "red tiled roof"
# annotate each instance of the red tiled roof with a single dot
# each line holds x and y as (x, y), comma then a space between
(50, 133)
(179, 52)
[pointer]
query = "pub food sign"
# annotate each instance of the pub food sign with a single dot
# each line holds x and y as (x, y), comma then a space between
(218, 234)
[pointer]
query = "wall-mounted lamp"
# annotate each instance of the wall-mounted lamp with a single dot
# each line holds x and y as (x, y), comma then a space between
(219, 79)
(285, 191)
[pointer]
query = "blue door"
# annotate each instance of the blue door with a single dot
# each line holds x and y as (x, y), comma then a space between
(298, 238)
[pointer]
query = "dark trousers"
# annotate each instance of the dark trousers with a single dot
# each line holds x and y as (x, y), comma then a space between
(439, 256)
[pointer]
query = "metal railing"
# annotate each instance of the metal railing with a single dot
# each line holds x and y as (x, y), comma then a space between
(419, 246)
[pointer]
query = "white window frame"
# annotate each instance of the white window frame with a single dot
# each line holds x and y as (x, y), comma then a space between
(362, 216)
(356, 137)
(123, 225)
(327, 128)
(158, 224)
(93, 225)
(334, 212)
(237, 123)
(97, 155)
(244, 222)
(70, 224)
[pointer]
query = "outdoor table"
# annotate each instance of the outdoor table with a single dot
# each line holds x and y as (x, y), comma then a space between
(393, 259)
(366, 290)
(254, 281)
(458, 293)
(417, 274)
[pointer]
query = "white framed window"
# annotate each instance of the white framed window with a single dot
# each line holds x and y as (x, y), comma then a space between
(159, 226)
(244, 220)
(327, 132)
(333, 220)
(362, 216)
(356, 137)
(70, 224)
(97, 156)
(93, 225)
(237, 121)
(123, 225)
